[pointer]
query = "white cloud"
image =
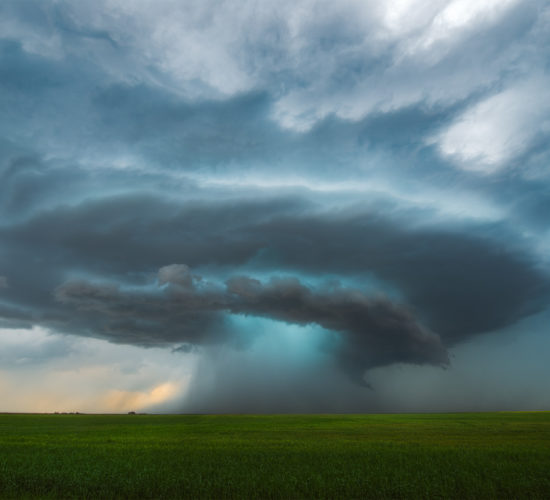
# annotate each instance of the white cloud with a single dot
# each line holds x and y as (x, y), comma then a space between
(405, 17)
(315, 57)
(461, 16)
(498, 129)
(460, 204)
(408, 52)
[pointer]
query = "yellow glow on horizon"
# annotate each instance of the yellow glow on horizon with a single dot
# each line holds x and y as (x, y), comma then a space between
(45, 372)
(122, 401)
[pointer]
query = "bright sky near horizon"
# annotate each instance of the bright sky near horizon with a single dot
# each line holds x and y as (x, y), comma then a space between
(274, 206)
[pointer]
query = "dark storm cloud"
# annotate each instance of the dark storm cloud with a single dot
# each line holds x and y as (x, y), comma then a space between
(373, 331)
(461, 281)
(141, 317)
(464, 282)
(140, 232)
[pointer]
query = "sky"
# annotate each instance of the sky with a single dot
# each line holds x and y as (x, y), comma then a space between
(292, 206)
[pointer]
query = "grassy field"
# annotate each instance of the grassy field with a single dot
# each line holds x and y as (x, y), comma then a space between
(486, 455)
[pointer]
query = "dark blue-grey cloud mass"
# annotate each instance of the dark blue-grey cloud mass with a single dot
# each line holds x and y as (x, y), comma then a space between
(378, 171)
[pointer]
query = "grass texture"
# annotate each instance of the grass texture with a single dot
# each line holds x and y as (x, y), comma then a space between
(477, 455)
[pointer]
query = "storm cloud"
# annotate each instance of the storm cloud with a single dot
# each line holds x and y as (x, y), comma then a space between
(371, 178)
(459, 282)
(372, 331)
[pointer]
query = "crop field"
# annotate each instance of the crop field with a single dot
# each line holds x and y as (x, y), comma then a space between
(484, 455)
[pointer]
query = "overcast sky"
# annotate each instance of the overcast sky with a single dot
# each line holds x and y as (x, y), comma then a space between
(274, 206)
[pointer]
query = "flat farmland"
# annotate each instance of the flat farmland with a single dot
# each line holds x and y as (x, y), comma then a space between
(464, 455)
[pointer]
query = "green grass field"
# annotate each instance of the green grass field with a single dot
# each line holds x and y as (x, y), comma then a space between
(484, 455)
